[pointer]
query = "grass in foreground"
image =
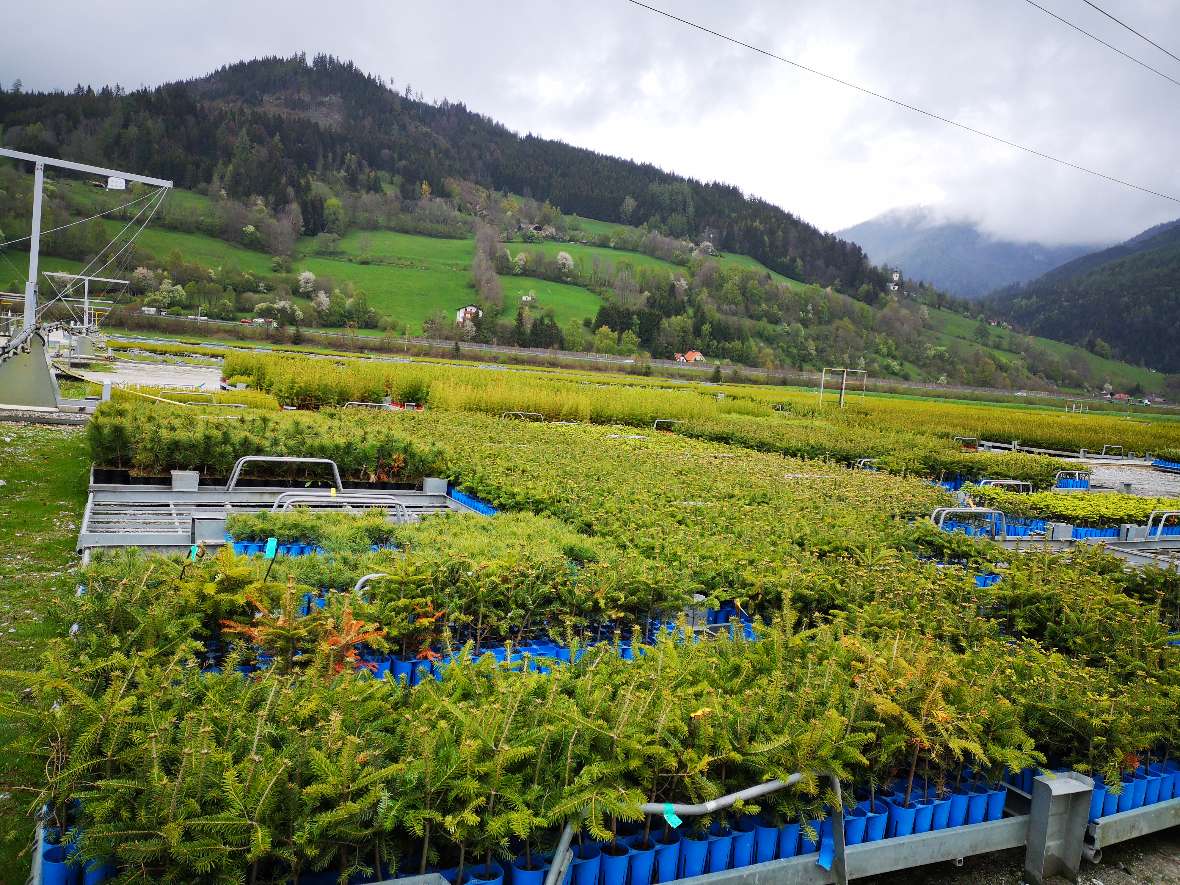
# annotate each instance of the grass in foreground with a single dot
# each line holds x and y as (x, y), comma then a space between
(43, 470)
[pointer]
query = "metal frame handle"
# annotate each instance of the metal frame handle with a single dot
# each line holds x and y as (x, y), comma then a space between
(280, 459)
(938, 517)
(1152, 529)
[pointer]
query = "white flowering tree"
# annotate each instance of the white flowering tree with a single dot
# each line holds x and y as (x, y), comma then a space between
(565, 264)
(307, 283)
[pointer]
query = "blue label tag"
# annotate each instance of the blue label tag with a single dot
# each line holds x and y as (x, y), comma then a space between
(192, 552)
(272, 547)
(670, 816)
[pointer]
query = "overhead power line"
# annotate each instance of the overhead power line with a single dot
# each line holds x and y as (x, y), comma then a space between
(1122, 23)
(901, 104)
(1098, 39)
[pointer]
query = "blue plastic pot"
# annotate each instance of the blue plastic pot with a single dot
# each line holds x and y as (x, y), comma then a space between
(941, 816)
(1151, 792)
(1167, 782)
(694, 851)
(958, 813)
(924, 816)
(56, 870)
(1110, 802)
(901, 819)
(96, 871)
(1139, 791)
(1097, 798)
(995, 803)
(381, 663)
(720, 852)
(855, 822)
(977, 804)
(616, 861)
(490, 874)
(743, 845)
(668, 857)
(788, 840)
(642, 861)
(585, 866)
(765, 843)
(1127, 796)
(402, 670)
(1027, 776)
(521, 876)
(810, 846)
(876, 820)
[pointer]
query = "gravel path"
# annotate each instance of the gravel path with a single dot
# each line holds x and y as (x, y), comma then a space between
(158, 375)
(1153, 860)
(1144, 480)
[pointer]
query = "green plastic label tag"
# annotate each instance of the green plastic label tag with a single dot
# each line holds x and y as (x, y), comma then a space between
(670, 816)
(272, 547)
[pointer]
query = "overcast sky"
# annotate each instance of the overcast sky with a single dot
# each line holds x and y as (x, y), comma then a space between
(607, 75)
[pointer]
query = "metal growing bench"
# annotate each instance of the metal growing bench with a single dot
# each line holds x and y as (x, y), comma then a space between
(357, 404)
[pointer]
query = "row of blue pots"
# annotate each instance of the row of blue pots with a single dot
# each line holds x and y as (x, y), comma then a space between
(256, 548)
(1142, 787)
(58, 868)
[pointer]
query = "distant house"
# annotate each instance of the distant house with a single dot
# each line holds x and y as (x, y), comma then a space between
(528, 299)
(468, 314)
(692, 356)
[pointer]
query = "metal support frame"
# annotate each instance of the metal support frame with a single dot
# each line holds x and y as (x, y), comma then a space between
(520, 416)
(844, 372)
(1057, 824)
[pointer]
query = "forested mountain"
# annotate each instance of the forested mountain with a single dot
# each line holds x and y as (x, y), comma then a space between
(1122, 301)
(953, 255)
(266, 127)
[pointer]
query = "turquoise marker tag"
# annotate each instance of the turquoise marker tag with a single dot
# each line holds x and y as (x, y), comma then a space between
(192, 552)
(272, 547)
(671, 816)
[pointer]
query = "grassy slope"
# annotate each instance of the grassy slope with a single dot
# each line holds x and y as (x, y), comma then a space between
(585, 256)
(1121, 375)
(44, 470)
(567, 302)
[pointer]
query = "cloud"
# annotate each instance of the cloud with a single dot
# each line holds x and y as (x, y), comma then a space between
(616, 78)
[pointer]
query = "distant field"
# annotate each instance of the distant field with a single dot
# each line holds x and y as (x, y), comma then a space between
(194, 247)
(585, 256)
(745, 261)
(426, 252)
(1122, 376)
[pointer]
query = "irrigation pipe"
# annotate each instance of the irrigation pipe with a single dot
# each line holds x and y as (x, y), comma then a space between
(563, 855)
